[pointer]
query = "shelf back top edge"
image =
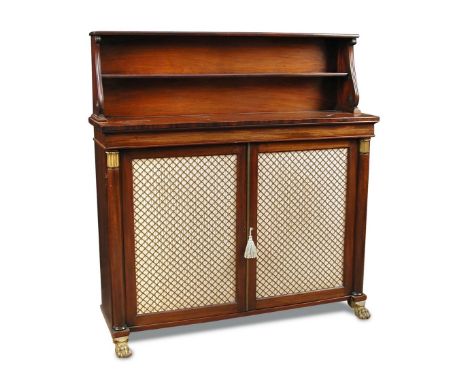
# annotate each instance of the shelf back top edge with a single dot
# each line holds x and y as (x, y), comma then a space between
(223, 34)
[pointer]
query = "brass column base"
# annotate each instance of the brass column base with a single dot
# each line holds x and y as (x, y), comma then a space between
(121, 347)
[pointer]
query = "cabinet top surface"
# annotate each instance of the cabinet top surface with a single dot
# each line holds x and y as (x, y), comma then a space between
(221, 34)
(232, 120)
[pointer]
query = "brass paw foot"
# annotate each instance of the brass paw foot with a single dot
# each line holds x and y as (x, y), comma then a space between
(121, 347)
(361, 311)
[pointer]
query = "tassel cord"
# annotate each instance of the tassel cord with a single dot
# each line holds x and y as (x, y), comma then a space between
(250, 249)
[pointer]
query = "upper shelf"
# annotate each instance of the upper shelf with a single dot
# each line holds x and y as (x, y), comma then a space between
(224, 75)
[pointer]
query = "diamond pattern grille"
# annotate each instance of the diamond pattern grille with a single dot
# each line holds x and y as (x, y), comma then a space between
(185, 231)
(301, 221)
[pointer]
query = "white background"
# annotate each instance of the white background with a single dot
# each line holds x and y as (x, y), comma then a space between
(411, 62)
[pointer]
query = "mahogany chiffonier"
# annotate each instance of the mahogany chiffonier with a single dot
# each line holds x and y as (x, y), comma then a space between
(232, 173)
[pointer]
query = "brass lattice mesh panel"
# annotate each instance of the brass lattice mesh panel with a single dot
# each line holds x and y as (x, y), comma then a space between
(185, 231)
(301, 221)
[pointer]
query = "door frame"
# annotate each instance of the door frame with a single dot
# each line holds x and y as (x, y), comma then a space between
(134, 319)
(255, 149)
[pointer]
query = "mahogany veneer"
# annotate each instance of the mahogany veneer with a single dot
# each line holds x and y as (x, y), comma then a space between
(204, 138)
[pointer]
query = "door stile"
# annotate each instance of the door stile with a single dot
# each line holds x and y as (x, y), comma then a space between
(242, 228)
(252, 171)
(350, 217)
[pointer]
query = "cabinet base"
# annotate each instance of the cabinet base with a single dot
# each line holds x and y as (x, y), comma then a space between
(122, 350)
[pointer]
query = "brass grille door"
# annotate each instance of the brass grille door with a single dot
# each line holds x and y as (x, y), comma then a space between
(186, 217)
(303, 221)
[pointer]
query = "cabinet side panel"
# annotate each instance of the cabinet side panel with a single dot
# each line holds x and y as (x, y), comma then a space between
(106, 299)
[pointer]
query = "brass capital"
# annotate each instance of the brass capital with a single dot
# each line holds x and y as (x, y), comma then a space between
(364, 146)
(112, 159)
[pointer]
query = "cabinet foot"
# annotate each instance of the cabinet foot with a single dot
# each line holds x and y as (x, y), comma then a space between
(360, 310)
(121, 347)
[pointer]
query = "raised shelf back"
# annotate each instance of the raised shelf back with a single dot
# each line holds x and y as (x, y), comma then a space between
(191, 74)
